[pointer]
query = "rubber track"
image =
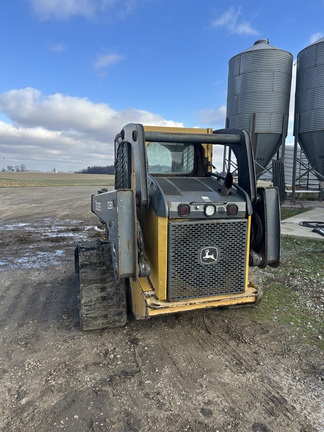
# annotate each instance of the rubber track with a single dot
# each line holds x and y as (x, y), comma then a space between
(102, 300)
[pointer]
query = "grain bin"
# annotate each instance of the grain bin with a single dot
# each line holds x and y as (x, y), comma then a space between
(259, 82)
(309, 105)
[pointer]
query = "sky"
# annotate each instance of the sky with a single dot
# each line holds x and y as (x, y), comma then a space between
(74, 72)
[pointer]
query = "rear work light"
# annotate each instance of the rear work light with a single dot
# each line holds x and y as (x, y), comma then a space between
(210, 210)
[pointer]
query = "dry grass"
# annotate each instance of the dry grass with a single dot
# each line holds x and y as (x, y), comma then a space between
(39, 179)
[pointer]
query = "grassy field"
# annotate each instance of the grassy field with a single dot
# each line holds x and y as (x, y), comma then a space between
(39, 179)
(293, 292)
(288, 212)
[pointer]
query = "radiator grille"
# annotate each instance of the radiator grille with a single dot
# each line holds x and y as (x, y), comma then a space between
(189, 276)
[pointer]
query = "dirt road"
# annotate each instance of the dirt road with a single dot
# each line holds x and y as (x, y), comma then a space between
(218, 370)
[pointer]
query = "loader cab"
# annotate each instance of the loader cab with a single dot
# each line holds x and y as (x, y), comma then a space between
(183, 236)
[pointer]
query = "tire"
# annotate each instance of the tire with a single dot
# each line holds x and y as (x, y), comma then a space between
(101, 300)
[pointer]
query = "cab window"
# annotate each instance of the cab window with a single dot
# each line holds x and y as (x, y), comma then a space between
(170, 158)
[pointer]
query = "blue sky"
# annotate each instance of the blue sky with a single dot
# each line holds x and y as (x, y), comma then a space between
(73, 72)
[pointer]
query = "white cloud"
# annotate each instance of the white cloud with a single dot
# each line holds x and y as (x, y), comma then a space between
(213, 117)
(315, 37)
(58, 47)
(103, 61)
(231, 20)
(62, 9)
(61, 131)
(65, 9)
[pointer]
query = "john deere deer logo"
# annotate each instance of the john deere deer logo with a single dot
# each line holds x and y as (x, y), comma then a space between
(208, 255)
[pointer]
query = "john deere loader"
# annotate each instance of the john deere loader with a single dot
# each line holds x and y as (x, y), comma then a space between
(179, 237)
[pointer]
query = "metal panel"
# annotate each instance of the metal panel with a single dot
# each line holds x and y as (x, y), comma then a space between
(206, 258)
(309, 105)
(117, 210)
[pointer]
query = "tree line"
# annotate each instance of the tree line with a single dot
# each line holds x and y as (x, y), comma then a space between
(110, 169)
(14, 168)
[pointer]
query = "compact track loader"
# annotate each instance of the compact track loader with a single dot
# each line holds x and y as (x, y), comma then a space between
(179, 236)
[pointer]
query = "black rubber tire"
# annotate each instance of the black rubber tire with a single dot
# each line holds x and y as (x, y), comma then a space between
(101, 300)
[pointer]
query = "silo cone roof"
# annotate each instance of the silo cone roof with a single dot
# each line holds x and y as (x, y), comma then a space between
(260, 44)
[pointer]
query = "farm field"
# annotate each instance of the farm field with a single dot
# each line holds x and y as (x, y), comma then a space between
(40, 179)
(249, 369)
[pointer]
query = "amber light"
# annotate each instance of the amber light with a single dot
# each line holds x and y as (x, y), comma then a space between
(183, 209)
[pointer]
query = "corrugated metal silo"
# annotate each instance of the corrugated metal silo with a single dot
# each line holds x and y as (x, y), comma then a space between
(309, 104)
(259, 82)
